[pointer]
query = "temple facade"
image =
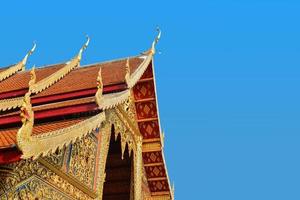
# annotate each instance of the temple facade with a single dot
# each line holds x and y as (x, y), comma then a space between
(82, 132)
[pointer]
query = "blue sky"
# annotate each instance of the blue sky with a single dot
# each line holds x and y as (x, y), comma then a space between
(228, 81)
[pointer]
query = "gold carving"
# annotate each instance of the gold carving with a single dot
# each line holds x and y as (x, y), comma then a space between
(105, 132)
(27, 117)
(15, 68)
(138, 168)
(8, 104)
(34, 146)
(35, 188)
(109, 100)
(16, 175)
(137, 74)
(132, 79)
(127, 75)
(30, 52)
(86, 44)
(112, 100)
(129, 113)
(57, 158)
(83, 159)
(53, 78)
(154, 43)
(122, 129)
(99, 93)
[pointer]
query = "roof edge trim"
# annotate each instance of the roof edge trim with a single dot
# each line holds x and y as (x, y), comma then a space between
(55, 77)
(17, 67)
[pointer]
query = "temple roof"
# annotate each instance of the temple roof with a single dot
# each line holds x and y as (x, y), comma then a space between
(79, 79)
(55, 105)
(113, 72)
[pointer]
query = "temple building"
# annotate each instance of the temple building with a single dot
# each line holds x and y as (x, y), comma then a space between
(82, 132)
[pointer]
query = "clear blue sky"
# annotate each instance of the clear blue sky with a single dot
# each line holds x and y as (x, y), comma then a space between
(228, 81)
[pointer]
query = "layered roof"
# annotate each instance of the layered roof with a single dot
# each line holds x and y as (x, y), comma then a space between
(62, 98)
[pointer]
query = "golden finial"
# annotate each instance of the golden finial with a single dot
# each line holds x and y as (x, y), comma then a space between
(32, 78)
(27, 117)
(86, 44)
(27, 55)
(26, 109)
(99, 92)
(127, 75)
(152, 50)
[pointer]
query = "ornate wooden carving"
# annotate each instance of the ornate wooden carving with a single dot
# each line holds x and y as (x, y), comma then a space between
(83, 159)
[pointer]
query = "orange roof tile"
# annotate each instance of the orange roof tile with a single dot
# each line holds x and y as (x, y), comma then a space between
(86, 77)
(51, 126)
(8, 136)
(20, 80)
(81, 78)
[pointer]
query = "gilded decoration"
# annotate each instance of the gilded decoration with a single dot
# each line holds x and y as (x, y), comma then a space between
(105, 132)
(34, 188)
(121, 126)
(17, 176)
(53, 78)
(7, 104)
(127, 74)
(123, 129)
(109, 100)
(83, 159)
(34, 146)
(99, 93)
(57, 158)
(132, 79)
(138, 169)
(133, 140)
(15, 68)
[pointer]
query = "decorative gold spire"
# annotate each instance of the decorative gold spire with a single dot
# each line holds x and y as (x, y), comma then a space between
(24, 61)
(127, 75)
(86, 44)
(15, 68)
(27, 116)
(152, 50)
(32, 78)
(132, 78)
(53, 78)
(99, 93)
